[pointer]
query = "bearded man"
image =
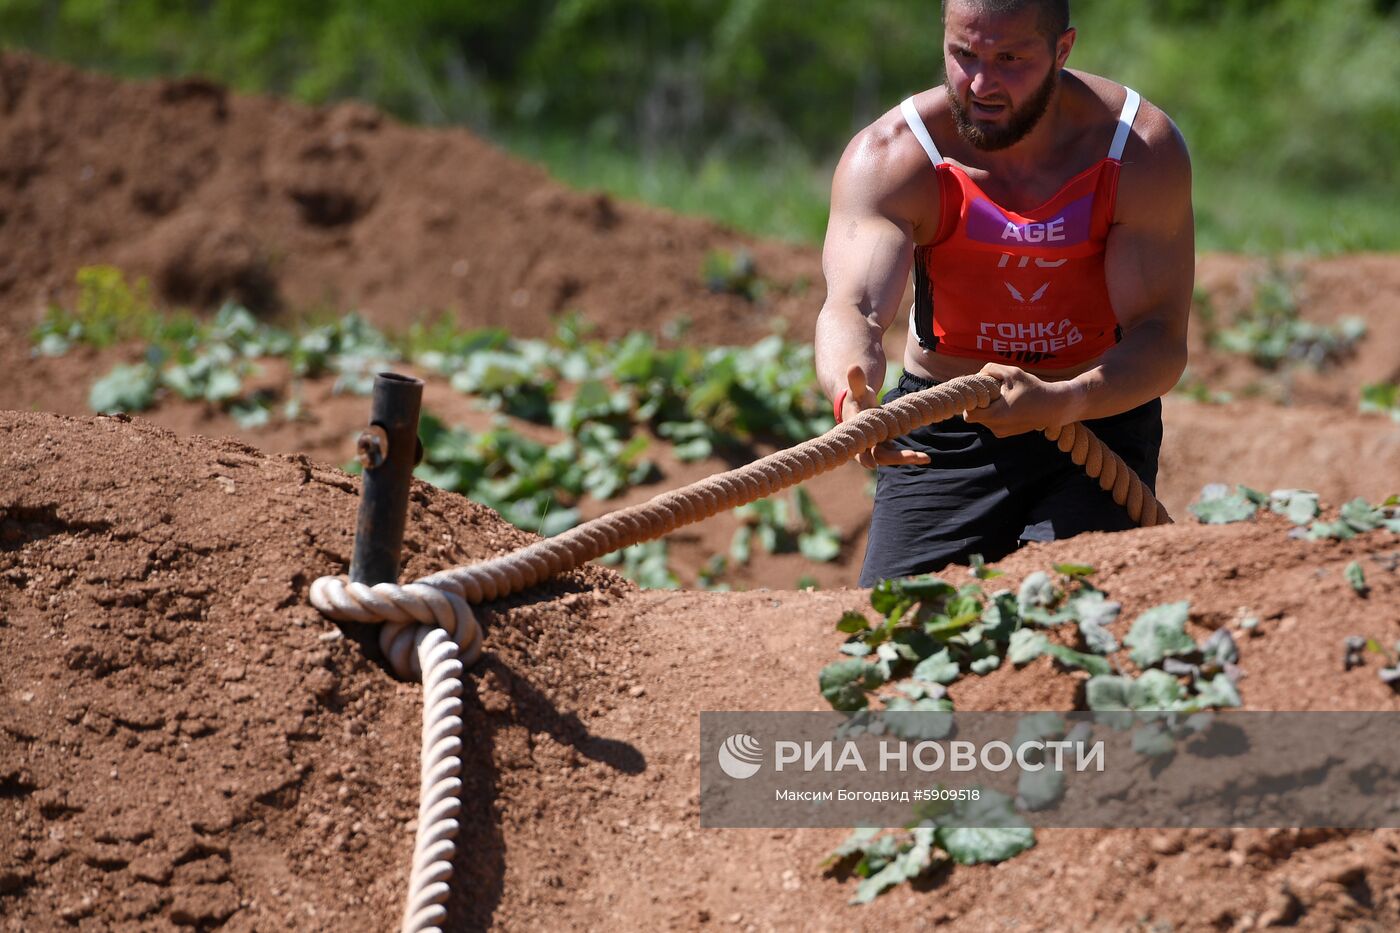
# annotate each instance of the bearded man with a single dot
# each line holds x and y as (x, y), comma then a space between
(1046, 214)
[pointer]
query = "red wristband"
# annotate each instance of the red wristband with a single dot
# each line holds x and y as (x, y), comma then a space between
(840, 403)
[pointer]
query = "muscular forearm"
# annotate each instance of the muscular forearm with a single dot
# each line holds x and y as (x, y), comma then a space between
(1145, 365)
(844, 337)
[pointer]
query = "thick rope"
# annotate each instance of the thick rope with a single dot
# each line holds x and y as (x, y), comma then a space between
(442, 601)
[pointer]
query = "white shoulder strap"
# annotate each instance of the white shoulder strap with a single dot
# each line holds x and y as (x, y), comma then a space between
(1125, 123)
(916, 123)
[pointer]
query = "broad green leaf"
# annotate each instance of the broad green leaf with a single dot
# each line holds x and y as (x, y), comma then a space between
(223, 384)
(911, 859)
(1109, 692)
(985, 665)
(940, 626)
(125, 388)
(1092, 663)
(1093, 612)
(843, 683)
(927, 718)
(1092, 606)
(250, 414)
(1026, 645)
(1036, 790)
(1033, 727)
(1153, 740)
(887, 655)
(1220, 647)
(822, 545)
(888, 876)
(1075, 570)
(1159, 632)
(852, 622)
(1253, 495)
(999, 616)
(984, 830)
(855, 842)
(966, 605)
(926, 587)
(1340, 531)
(937, 668)
(1154, 690)
(918, 690)
(1219, 506)
(1361, 515)
(1099, 639)
(1037, 592)
(886, 596)
(1219, 691)
(1299, 506)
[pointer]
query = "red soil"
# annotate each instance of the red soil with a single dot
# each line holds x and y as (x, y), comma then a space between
(184, 741)
(218, 195)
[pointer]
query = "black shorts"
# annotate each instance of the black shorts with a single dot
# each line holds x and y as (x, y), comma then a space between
(983, 494)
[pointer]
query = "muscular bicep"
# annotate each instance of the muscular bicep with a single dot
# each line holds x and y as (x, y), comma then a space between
(868, 250)
(1150, 256)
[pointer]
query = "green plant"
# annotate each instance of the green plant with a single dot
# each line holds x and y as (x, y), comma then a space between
(108, 310)
(968, 832)
(708, 577)
(645, 564)
(1271, 333)
(1381, 397)
(1219, 505)
(771, 523)
(124, 389)
(533, 485)
(1198, 390)
(733, 273)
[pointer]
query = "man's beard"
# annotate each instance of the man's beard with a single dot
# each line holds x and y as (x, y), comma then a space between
(1022, 121)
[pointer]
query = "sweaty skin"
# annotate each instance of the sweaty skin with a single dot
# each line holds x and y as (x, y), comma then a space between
(884, 200)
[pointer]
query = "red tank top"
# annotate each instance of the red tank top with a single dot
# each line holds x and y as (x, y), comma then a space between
(1026, 289)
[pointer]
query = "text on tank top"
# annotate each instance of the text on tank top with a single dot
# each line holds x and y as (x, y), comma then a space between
(1028, 288)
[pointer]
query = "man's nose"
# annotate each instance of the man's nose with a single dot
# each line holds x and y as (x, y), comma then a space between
(982, 84)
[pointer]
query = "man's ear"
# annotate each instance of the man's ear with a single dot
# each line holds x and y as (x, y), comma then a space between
(1063, 46)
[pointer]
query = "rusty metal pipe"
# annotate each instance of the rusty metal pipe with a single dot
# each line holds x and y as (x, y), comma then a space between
(388, 450)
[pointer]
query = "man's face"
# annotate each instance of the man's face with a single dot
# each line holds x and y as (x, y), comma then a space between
(1002, 71)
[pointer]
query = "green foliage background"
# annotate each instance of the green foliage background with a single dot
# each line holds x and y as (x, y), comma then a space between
(739, 108)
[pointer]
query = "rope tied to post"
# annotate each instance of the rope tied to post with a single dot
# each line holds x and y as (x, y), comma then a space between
(429, 622)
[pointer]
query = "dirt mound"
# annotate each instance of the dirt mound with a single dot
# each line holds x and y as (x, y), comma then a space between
(274, 204)
(183, 741)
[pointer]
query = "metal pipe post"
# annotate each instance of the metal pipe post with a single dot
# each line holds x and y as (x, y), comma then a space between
(387, 450)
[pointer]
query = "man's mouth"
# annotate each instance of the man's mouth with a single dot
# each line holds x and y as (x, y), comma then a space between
(987, 111)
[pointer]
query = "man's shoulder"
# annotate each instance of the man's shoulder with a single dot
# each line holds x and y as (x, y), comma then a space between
(1154, 139)
(1154, 183)
(886, 162)
(889, 143)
